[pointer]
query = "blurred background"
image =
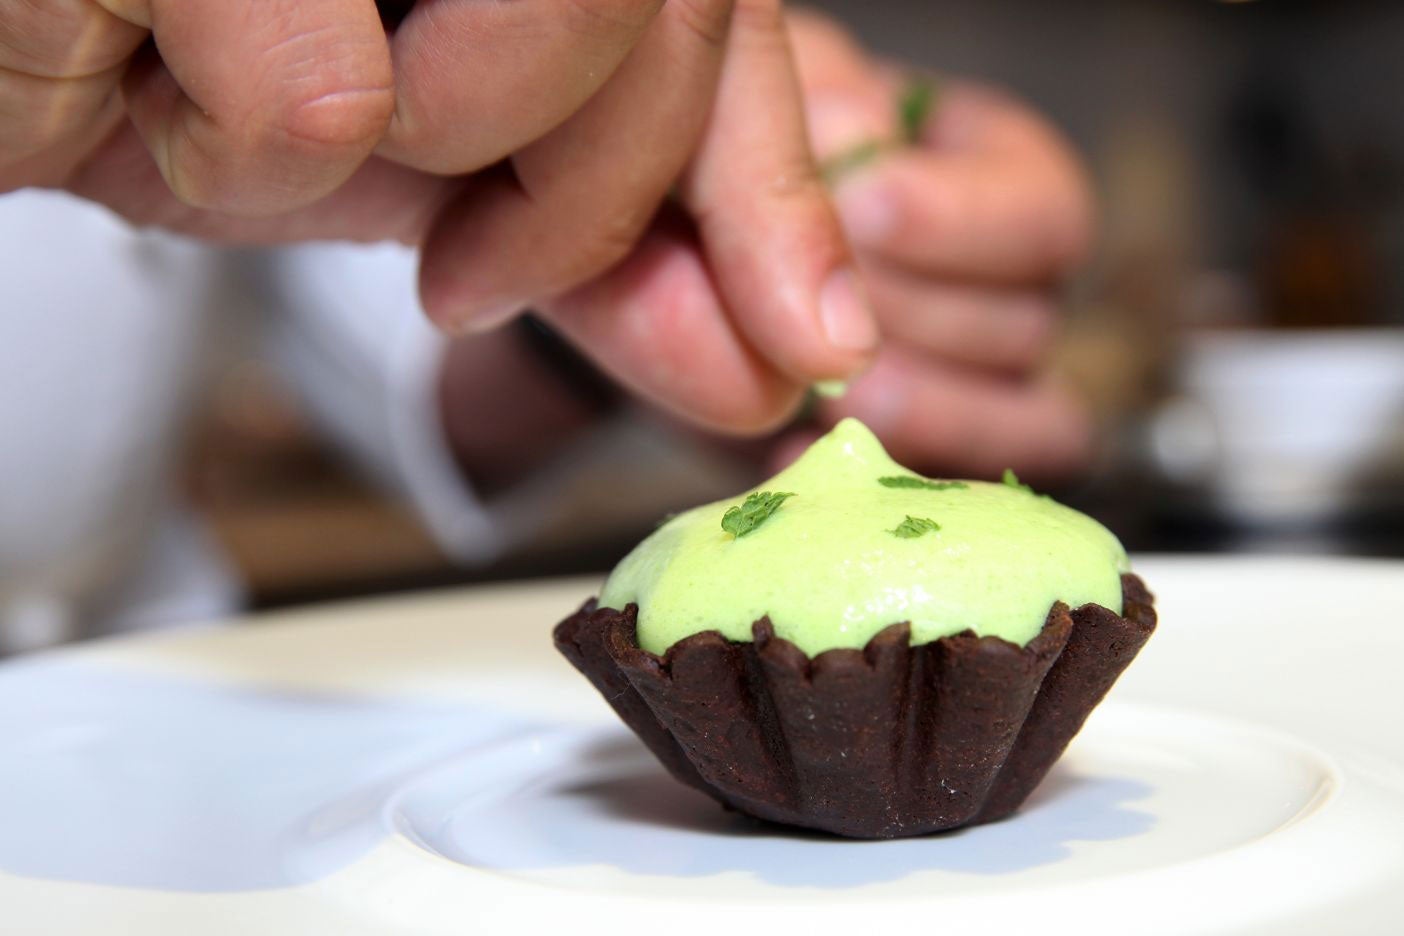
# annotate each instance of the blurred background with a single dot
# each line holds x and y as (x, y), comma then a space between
(1240, 334)
(1239, 331)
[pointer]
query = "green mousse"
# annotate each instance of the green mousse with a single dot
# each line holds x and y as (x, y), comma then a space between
(861, 543)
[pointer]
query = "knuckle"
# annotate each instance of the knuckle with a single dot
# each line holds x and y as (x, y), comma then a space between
(798, 195)
(1029, 336)
(197, 175)
(611, 238)
(796, 178)
(53, 111)
(64, 40)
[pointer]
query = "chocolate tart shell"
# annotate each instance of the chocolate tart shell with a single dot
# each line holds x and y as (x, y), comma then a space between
(888, 741)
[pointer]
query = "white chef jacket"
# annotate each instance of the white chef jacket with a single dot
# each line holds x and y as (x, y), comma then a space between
(103, 340)
(104, 334)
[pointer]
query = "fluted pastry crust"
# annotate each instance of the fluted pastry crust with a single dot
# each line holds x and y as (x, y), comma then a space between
(888, 741)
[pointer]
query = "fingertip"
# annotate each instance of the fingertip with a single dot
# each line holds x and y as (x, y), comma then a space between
(442, 296)
(464, 284)
(1073, 241)
(846, 316)
(789, 281)
(658, 325)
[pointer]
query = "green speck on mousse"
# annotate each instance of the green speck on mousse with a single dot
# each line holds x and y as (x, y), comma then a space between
(912, 482)
(912, 527)
(755, 510)
(1010, 479)
(829, 571)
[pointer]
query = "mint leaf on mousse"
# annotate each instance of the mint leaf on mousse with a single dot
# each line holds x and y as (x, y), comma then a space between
(913, 482)
(912, 527)
(755, 510)
(1010, 479)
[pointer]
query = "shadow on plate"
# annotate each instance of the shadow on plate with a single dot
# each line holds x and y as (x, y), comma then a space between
(617, 807)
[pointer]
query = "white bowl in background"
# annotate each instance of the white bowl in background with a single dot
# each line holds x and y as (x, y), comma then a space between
(1299, 425)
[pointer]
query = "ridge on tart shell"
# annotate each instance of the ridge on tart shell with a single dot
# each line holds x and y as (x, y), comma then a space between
(888, 741)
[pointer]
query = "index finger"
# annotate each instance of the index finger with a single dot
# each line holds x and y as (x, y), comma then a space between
(773, 240)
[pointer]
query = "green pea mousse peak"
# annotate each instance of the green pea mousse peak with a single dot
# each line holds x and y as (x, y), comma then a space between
(846, 542)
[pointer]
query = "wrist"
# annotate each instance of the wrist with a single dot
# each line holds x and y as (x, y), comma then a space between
(514, 399)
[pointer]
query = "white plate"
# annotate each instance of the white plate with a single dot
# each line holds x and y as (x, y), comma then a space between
(428, 765)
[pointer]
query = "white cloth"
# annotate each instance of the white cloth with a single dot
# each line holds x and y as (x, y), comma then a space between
(347, 330)
(100, 329)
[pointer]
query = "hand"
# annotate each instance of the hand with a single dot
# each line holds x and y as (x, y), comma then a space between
(255, 109)
(737, 298)
(964, 237)
(965, 293)
(724, 317)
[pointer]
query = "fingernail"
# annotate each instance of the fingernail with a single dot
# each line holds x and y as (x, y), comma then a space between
(867, 210)
(845, 314)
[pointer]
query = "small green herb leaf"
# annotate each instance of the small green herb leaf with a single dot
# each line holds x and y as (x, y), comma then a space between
(914, 107)
(913, 482)
(843, 164)
(755, 510)
(1012, 480)
(912, 527)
